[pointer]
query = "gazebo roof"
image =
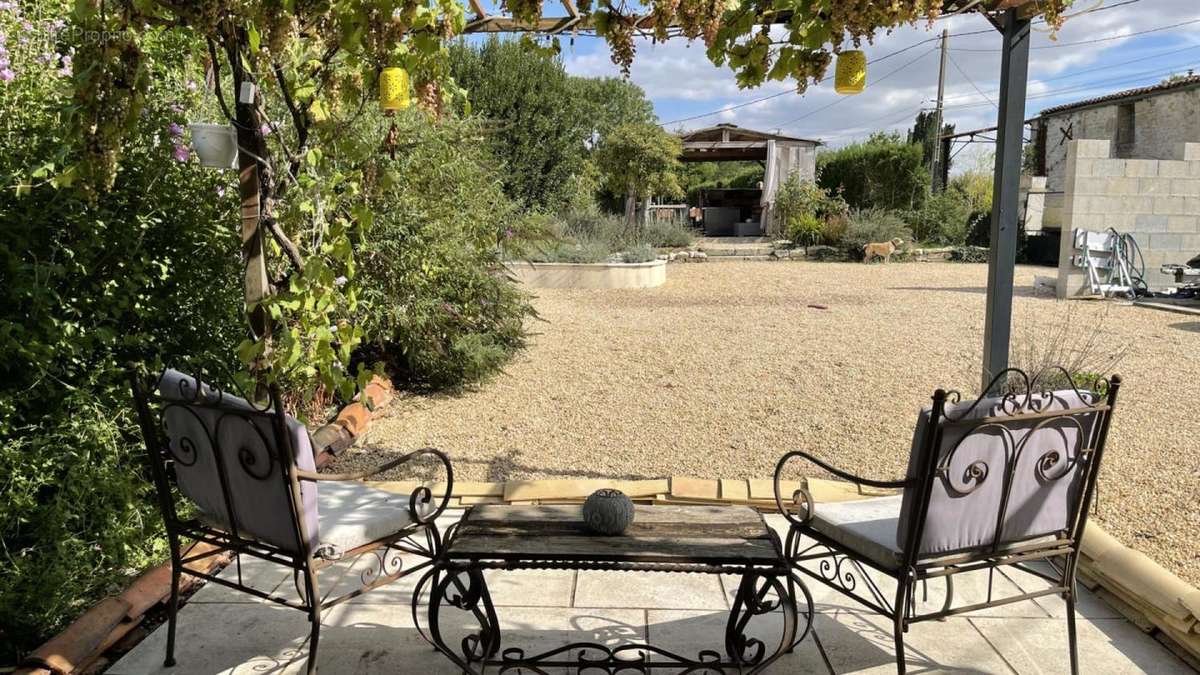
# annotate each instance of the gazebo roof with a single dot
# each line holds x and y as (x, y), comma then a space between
(729, 142)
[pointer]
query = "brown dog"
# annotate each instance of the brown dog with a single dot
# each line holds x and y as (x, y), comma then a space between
(884, 250)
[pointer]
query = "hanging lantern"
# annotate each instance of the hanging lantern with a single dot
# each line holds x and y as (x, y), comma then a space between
(851, 72)
(393, 89)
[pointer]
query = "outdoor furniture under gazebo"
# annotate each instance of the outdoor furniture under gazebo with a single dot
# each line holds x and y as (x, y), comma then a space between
(250, 484)
(1001, 482)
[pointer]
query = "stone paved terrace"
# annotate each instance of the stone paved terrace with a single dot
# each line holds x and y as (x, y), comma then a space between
(221, 631)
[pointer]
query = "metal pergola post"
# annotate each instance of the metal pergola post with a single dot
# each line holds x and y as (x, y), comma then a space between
(1002, 255)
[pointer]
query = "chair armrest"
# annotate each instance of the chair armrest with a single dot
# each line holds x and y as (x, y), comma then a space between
(421, 496)
(803, 493)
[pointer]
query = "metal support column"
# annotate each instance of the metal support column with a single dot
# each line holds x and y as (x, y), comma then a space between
(1002, 256)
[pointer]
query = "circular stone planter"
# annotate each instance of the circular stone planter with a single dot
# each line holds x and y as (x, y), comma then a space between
(590, 275)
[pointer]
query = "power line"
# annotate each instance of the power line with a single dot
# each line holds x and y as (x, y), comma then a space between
(960, 49)
(972, 83)
(1087, 86)
(790, 91)
(1108, 38)
(1085, 71)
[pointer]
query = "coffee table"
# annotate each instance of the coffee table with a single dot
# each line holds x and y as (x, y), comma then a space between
(733, 540)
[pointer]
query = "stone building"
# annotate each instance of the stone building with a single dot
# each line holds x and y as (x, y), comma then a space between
(1145, 123)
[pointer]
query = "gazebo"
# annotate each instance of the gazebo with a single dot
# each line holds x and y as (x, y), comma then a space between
(779, 155)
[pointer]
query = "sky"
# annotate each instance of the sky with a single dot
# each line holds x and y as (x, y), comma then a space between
(681, 82)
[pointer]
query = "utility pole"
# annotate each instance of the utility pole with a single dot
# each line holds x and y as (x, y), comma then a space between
(935, 159)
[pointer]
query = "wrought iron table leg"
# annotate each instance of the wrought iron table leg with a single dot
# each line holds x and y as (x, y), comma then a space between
(752, 600)
(466, 590)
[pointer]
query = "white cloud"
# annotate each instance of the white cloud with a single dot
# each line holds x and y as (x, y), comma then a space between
(682, 82)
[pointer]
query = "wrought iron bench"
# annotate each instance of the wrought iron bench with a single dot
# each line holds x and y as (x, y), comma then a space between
(248, 479)
(999, 482)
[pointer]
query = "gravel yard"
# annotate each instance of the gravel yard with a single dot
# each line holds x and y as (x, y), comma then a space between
(724, 368)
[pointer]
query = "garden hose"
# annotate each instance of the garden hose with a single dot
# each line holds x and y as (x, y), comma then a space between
(1127, 252)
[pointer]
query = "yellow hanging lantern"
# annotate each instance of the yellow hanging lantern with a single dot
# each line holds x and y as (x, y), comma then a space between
(851, 72)
(393, 89)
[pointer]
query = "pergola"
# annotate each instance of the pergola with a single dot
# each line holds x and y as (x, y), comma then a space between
(1011, 18)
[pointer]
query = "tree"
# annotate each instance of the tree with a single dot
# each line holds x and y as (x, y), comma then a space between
(639, 160)
(922, 134)
(538, 121)
(610, 102)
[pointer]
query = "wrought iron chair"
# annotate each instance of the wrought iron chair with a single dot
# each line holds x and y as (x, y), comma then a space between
(1000, 482)
(248, 477)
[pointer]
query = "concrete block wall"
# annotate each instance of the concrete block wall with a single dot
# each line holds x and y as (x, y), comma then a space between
(1156, 200)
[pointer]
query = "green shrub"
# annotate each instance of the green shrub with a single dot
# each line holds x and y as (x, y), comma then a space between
(667, 234)
(969, 254)
(639, 254)
(436, 301)
(148, 272)
(944, 218)
(872, 226)
(802, 208)
(573, 252)
(882, 172)
(591, 236)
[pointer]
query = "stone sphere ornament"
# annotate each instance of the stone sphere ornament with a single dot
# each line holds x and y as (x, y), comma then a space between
(608, 512)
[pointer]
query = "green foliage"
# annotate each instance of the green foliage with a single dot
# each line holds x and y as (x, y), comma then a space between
(803, 49)
(639, 254)
(667, 234)
(802, 210)
(591, 236)
(640, 160)
(944, 218)
(924, 135)
(436, 302)
(537, 118)
(872, 226)
(146, 271)
(696, 176)
(883, 172)
(968, 254)
(952, 216)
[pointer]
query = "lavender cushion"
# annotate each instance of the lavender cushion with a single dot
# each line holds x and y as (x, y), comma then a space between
(202, 427)
(963, 512)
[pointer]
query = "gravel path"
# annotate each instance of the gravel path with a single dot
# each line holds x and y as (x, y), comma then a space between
(718, 372)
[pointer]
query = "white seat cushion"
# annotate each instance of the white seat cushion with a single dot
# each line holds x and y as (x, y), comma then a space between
(354, 513)
(866, 526)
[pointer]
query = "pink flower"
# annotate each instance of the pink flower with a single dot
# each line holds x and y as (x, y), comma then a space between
(182, 154)
(192, 86)
(266, 129)
(7, 75)
(175, 130)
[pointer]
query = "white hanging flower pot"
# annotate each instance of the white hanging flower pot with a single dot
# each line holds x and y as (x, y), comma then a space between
(215, 144)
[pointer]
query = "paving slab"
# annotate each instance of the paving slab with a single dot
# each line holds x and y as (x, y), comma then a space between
(649, 590)
(531, 588)
(1110, 646)
(687, 632)
(862, 642)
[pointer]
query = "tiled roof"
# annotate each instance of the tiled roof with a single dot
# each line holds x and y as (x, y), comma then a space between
(1162, 87)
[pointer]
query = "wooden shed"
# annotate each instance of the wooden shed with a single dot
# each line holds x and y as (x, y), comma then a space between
(780, 156)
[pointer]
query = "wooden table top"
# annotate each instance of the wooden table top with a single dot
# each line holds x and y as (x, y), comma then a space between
(712, 535)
